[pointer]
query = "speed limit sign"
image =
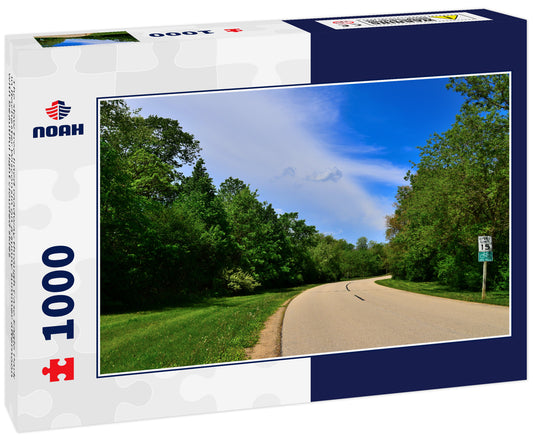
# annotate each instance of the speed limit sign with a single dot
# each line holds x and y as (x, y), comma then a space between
(484, 243)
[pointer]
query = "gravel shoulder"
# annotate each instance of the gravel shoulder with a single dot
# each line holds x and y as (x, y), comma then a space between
(269, 344)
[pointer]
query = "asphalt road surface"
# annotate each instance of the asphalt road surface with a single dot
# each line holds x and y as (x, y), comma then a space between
(360, 314)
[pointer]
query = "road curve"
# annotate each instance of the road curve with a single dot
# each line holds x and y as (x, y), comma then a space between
(362, 314)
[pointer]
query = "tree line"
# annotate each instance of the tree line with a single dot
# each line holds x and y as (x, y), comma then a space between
(167, 238)
(457, 191)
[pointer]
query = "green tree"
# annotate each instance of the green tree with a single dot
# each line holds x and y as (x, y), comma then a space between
(299, 239)
(211, 247)
(154, 148)
(458, 190)
(326, 255)
(230, 188)
(362, 243)
(139, 158)
(257, 235)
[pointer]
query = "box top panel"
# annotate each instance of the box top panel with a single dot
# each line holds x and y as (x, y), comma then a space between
(396, 20)
(241, 30)
(152, 34)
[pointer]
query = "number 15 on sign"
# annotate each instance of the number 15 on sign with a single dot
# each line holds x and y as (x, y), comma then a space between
(484, 243)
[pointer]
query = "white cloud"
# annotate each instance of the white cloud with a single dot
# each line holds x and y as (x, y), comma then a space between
(330, 174)
(289, 171)
(278, 143)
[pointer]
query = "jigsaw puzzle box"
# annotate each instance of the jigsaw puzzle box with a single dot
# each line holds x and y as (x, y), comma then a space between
(175, 191)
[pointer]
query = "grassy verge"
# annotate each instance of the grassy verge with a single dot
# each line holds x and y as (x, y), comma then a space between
(214, 331)
(439, 290)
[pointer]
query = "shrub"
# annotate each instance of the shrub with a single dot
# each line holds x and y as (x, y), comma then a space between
(239, 281)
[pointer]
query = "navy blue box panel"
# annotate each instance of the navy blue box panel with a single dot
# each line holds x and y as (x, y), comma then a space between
(519, 190)
(416, 368)
(396, 52)
(414, 51)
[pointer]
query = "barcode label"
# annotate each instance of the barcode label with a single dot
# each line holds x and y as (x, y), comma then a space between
(402, 20)
(11, 223)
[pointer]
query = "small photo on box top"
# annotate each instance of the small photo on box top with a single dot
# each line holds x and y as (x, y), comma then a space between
(88, 38)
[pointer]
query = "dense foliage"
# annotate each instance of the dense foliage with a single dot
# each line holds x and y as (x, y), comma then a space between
(167, 238)
(457, 191)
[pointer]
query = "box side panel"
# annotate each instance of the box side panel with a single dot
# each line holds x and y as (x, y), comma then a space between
(58, 204)
(11, 268)
(484, 47)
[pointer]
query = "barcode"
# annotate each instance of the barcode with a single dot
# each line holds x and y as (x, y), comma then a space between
(11, 216)
(398, 21)
(402, 20)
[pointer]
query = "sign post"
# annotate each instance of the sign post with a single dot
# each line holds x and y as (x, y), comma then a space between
(484, 255)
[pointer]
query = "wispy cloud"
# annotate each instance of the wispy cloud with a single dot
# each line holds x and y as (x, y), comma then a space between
(289, 171)
(331, 174)
(279, 142)
(359, 148)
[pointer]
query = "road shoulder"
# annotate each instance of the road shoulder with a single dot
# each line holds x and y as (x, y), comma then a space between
(269, 344)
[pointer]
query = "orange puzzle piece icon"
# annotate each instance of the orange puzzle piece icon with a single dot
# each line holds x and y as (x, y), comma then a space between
(56, 369)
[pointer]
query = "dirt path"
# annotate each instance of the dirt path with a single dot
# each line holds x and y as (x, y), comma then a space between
(269, 344)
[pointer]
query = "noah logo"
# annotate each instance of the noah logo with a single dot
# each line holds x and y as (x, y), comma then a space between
(58, 111)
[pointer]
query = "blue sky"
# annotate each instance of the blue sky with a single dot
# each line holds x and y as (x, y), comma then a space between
(335, 154)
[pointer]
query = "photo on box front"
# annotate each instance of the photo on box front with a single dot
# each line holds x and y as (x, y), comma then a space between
(267, 223)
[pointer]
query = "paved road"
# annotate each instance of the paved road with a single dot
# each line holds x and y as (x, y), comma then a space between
(361, 314)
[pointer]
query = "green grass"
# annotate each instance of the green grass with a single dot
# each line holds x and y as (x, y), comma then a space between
(439, 290)
(214, 331)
